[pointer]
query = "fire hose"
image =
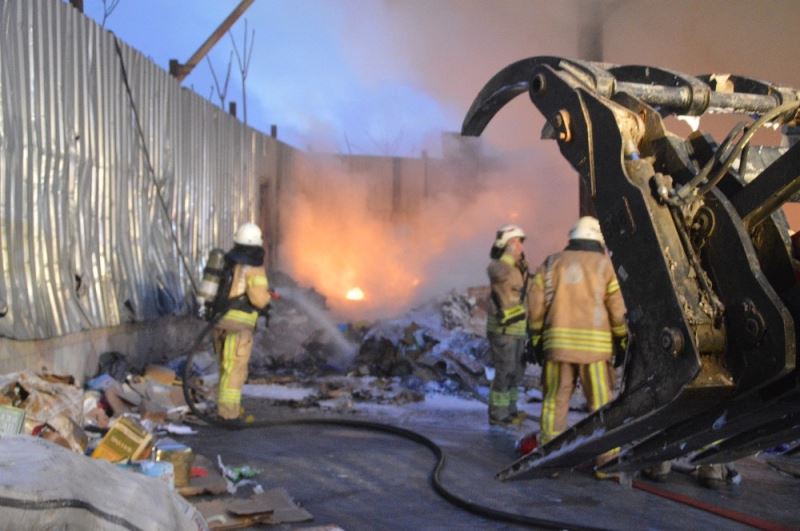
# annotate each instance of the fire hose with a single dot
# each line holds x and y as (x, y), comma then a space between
(435, 478)
(439, 455)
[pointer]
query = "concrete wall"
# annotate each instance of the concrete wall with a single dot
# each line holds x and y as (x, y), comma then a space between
(77, 354)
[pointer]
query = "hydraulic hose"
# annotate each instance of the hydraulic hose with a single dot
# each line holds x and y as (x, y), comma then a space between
(438, 453)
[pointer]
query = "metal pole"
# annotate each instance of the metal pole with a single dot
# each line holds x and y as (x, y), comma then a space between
(180, 71)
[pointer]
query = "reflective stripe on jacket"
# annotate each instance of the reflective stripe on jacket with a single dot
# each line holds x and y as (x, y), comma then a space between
(251, 281)
(506, 282)
(586, 310)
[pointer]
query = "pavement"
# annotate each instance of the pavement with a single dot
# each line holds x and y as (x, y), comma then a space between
(358, 479)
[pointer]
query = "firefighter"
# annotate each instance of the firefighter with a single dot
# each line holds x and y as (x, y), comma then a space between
(576, 314)
(506, 324)
(245, 291)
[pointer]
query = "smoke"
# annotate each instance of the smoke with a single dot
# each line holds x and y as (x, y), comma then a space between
(446, 51)
(345, 350)
(342, 232)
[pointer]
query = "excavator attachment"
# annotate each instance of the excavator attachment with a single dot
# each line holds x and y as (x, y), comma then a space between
(701, 251)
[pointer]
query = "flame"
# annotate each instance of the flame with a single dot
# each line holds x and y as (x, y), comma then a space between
(359, 247)
(355, 294)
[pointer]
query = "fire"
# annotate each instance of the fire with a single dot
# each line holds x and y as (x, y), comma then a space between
(345, 240)
(355, 294)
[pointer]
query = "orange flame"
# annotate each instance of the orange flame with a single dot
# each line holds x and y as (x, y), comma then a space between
(355, 294)
(343, 239)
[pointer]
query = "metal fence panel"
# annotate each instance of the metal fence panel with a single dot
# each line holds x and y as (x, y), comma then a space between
(84, 242)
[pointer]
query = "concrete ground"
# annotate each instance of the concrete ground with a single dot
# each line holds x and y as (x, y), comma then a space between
(358, 479)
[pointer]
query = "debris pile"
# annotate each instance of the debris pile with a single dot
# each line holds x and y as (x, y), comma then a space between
(127, 424)
(438, 347)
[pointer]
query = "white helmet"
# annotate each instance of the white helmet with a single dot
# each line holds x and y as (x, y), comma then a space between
(587, 228)
(506, 232)
(248, 234)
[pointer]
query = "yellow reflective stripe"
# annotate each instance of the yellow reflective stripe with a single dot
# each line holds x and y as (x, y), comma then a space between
(595, 385)
(259, 280)
(508, 259)
(500, 398)
(619, 331)
(535, 339)
(597, 372)
(230, 396)
(612, 287)
(602, 369)
(514, 312)
(552, 377)
(228, 354)
(577, 339)
(538, 280)
(556, 344)
(240, 316)
(588, 333)
(518, 328)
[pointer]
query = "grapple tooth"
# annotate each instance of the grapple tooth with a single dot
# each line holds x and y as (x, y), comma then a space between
(627, 418)
(729, 419)
(700, 253)
(751, 442)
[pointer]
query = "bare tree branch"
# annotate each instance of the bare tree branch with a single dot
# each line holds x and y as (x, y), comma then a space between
(108, 7)
(244, 63)
(221, 91)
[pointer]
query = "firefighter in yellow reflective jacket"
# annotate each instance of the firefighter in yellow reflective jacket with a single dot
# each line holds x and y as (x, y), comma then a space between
(246, 288)
(577, 312)
(506, 323)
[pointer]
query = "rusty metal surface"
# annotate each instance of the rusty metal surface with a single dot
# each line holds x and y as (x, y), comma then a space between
(83, 243)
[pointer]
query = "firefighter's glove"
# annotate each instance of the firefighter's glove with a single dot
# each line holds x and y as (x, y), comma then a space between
(201, 308)
(264, 312)
(620, 350)
(534, 353)
(513, 315)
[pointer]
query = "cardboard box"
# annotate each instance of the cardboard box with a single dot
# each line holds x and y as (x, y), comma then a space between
(159, 374)
(179, 455)
(126, 439)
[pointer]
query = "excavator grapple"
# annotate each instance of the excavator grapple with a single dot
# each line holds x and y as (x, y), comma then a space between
(701, 250)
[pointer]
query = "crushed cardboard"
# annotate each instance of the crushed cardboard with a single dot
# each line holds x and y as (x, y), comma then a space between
(209, 481)
(48, 400)
(273, 507)
(159, 374)
(12, 420)
(126, 439)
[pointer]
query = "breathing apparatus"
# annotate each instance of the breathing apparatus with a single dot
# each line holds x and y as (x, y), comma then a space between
(212, 277)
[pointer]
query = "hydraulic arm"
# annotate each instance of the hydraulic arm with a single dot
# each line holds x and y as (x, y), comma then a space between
(700, 247)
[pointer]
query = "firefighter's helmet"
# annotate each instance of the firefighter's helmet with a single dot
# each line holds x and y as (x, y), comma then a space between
(587, 228)
(506, 232)
(248, 234)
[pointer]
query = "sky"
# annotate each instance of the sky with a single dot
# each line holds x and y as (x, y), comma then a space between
(386, 77)
(323, 92)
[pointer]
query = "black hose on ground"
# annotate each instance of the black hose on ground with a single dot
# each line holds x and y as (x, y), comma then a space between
(435, 477)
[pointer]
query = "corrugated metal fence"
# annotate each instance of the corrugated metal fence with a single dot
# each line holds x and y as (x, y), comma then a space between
(84, 241)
